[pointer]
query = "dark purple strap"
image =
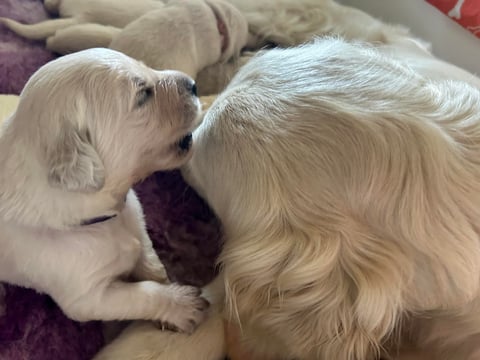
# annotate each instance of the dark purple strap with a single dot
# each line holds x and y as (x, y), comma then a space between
(97, 220)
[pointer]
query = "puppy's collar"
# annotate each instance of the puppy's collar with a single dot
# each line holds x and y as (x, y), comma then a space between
(222, 29)
(102, 218)
(97, 220)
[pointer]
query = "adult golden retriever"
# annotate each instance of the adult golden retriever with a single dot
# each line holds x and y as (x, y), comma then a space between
(347, 179)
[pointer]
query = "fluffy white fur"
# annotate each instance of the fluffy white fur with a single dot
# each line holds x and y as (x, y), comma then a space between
(349, 192)
(292, 22)
(71, 152)
(349, 205)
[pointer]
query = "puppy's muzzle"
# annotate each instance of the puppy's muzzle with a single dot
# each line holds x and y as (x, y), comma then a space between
(185, 84)
(188, 104)
(185, 143)
(188, 85)
(193, 89)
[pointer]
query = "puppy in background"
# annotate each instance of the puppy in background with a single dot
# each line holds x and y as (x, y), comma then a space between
(70, 224)
(186, 35)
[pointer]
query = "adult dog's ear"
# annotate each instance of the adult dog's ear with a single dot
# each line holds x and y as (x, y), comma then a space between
(73, 163)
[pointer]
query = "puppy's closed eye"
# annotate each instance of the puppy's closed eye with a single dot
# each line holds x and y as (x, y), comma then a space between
(143, 95)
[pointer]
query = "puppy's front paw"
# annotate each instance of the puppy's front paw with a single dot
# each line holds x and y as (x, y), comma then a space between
(189, 309)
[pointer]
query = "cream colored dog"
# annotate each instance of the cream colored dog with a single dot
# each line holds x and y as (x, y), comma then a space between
(186, 35)
(88, 126)
(347, 180)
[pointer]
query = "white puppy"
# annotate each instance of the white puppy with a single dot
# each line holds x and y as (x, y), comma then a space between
(186, 35)
(88, 126)
(347, 181)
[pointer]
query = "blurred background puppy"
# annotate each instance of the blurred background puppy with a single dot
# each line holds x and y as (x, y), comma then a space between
(186, 35)
(182, 35)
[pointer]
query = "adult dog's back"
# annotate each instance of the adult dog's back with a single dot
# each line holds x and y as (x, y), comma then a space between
(348, 186)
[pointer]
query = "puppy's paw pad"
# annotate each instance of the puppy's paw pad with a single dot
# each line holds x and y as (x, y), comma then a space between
(189, 309)
(164, 326)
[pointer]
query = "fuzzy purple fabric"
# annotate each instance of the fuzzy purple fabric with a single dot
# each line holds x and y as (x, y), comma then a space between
(20, 58)
(184, 231)
(34, 328)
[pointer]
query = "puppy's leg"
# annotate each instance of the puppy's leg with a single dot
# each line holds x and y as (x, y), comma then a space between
(38, 31)
(144, 340)
(81, 37)
(179, 306)
(149, 266)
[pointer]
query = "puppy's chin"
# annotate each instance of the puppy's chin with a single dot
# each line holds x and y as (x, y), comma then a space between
(176, 155)
(184, 144)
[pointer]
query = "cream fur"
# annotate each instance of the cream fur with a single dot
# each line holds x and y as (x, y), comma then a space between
(70, 152)
(349, 203)
(348, 190)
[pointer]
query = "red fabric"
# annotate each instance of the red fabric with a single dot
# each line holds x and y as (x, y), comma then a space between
(464, 12)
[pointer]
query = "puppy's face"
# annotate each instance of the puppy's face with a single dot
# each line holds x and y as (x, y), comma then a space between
(160, 110)
(101, 114)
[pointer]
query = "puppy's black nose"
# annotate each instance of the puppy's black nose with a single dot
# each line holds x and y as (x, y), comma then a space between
(193, 89)
(186, 142)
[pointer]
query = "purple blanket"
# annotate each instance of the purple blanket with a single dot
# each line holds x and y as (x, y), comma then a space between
(184, 231)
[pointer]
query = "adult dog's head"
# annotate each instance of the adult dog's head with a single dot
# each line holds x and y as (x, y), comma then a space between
(97, 121)
(348, 187)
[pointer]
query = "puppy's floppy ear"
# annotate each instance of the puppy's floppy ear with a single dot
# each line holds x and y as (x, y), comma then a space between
(73, 163)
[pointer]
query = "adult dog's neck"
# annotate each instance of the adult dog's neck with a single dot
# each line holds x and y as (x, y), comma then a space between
(27, 198)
